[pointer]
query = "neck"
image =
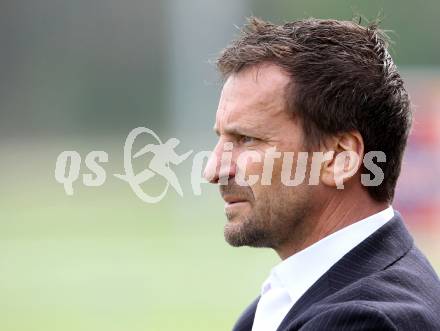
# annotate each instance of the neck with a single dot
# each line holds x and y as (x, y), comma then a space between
(338, 211)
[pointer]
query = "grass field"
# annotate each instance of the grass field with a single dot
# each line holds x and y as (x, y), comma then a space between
(104, 260)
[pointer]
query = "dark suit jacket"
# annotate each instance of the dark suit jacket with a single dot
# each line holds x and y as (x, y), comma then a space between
(384, 283)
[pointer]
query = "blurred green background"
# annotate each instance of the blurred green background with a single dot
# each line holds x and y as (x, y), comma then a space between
(79, 75)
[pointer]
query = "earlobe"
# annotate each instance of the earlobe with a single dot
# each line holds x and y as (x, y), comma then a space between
(346, 161)
(346, 166)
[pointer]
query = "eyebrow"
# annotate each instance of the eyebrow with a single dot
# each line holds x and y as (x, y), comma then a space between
(234, 130)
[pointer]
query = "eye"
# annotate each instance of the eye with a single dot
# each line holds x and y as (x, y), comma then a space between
(247, 139)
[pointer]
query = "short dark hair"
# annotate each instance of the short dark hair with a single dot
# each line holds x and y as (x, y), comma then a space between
(343, 79)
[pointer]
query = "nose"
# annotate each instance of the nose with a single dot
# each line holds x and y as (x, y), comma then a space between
(221, 166)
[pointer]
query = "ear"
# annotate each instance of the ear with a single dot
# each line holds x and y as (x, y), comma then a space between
(346, 161)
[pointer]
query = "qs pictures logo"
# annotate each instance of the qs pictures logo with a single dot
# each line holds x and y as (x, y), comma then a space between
(164, 158)
(68, 164)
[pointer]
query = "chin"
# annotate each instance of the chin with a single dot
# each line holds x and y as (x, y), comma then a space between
(240, 233)
(232, 233)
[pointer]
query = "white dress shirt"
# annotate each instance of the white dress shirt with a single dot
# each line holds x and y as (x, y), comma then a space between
(291, 278)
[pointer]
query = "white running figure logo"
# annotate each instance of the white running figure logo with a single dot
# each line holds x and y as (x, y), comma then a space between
(163, 155)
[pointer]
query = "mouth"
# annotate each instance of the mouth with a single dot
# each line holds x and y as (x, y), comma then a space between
(230, 200)
(233, 202)
(237, 203)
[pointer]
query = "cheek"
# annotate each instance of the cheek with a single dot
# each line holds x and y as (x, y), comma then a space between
(270, 188)
(250, 163)
(276, 172)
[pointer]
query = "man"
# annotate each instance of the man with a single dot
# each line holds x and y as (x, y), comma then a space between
(328, 88)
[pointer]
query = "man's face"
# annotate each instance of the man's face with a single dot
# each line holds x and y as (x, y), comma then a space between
(252, 115)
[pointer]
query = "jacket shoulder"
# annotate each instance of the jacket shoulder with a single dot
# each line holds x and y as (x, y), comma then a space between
(348, 316)
(405, 295)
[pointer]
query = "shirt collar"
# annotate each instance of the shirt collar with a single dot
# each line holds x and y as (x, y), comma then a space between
(300, 271)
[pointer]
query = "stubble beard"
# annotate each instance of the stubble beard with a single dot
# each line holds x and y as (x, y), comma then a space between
(270, 224)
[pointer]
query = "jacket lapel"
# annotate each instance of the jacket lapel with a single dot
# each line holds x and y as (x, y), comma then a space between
(246, 320)
(375, 253)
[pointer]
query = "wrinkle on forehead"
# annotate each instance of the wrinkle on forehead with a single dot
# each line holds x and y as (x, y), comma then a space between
(253, 97)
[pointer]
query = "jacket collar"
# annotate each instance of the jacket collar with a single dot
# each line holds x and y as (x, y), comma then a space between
(375, 253)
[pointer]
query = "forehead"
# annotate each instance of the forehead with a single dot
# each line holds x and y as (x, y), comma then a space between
(253, 97)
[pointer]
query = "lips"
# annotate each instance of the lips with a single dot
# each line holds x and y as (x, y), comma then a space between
(231, 199)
